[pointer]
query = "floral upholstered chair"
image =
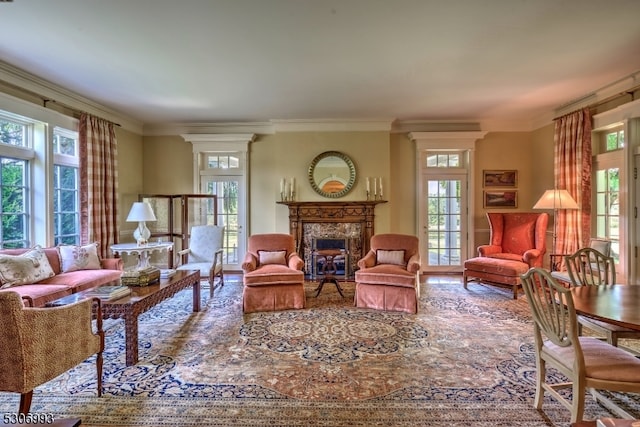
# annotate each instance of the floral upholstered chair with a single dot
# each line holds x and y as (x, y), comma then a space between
(388, 275)
(38, 344)
(273, 277)
(517, 243)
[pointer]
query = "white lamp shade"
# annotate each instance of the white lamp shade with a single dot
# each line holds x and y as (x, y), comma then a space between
(556, 199)
(141, 211)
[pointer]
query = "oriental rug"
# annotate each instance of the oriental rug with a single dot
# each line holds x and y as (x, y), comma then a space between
(466, 358)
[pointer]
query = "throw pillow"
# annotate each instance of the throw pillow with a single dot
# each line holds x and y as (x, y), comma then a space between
(29, 267)
(390, 256)
(272, 257)
(73, 258)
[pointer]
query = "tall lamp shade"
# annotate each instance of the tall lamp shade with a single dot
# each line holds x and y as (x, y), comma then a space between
(141, 212)
(556, 199)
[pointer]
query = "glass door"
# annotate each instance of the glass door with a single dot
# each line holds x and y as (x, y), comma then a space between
(229, 190)
(443, 223)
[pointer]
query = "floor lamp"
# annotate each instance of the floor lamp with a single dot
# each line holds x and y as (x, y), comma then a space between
(555, 199)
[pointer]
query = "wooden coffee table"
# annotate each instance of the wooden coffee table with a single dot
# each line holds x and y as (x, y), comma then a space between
(142, 299)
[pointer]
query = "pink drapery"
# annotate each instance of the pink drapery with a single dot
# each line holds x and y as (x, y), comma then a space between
(98, 183)
(572, 146)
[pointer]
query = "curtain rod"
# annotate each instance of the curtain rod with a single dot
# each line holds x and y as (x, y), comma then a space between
(75, 110)
(630, 92)
(46, 100)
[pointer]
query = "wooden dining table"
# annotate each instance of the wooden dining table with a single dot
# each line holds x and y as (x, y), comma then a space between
(616, 304)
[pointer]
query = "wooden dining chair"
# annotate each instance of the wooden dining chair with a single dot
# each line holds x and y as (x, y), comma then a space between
(590, 267)
(587, 362)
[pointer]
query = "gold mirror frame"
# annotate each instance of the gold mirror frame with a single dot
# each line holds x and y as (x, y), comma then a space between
(332, 174)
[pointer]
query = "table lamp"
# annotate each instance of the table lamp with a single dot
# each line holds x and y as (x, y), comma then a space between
(141, 212)
(555, 199)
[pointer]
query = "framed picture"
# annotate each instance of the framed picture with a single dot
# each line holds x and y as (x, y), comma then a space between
(500, 178)
(501, 199)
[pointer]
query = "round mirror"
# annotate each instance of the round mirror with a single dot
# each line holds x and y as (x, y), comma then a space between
(332, 174)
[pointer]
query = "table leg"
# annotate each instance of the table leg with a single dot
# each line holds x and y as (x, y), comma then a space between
(131, 338)
(196, 294)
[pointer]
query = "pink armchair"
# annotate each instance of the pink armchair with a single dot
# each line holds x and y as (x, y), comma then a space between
(273, 277)
(388, 275)
(517, 243)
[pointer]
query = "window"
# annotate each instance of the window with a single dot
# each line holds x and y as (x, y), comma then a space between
(66, 187)
(608, 208)
(443, 160)
(222, 161)
(14, 192)
(615, 140)
(39, 178)
(14, 182)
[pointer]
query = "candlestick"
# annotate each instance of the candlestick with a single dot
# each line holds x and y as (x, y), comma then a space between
(375, 187)
(381, 187)
(368, 187)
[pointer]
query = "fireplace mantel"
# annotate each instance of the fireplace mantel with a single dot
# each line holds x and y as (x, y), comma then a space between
(336, 212)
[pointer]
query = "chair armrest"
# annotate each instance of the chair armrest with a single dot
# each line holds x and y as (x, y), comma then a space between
(295, 262)
(368, 261)
(112, 264)
(486, 250)
(250, 263)
(217, 258)
(184, 251)
(72, 328)
(413, 265)
(531, 256)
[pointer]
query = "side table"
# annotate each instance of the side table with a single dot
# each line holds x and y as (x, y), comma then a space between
(329, 268)
(143, 252)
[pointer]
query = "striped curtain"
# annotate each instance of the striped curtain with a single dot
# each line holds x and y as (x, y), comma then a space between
(572, 146)
(98, 183)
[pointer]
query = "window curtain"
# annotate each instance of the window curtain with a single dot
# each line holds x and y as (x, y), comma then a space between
(98, 183)
(572, 152)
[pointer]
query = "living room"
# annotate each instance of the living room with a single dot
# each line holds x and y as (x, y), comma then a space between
(158, 154)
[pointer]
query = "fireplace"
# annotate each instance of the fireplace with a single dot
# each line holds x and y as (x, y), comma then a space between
(348, 224)
(330, 255)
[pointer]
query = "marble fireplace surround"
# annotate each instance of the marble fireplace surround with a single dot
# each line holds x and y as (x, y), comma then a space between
(353, 221)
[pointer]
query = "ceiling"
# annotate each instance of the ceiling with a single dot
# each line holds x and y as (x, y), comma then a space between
(197, 61)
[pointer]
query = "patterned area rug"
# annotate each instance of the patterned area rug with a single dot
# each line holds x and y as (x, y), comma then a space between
(465, 359)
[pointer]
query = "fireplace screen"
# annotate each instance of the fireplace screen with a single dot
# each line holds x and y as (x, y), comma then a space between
(330, 256)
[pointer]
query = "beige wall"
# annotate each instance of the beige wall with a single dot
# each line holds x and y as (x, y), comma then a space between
(130, 181)
(168, 169)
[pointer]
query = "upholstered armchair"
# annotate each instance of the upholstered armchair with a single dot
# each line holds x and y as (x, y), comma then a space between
(205, 254)
(38, 344)
(388, 275)
(273, 277)
(517, 242)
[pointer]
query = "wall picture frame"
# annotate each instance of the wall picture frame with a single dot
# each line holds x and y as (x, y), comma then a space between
(500, 199)
(500, 178)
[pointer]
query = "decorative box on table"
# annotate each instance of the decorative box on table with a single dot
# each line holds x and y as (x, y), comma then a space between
(140, 277)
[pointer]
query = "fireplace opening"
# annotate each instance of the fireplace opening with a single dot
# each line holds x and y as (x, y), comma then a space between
(330, 256)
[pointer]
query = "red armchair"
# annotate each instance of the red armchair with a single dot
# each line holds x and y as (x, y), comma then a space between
(388, 278)
(273, 277)
(517, 243)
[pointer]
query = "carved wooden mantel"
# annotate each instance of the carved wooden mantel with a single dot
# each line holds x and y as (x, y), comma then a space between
(333, 211)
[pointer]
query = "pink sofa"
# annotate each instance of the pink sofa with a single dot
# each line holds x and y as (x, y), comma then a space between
(273, 277)
(388, 278)
(517, 243)
(67, 283)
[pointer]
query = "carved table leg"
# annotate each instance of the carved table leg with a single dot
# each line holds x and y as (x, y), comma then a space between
(131, 337)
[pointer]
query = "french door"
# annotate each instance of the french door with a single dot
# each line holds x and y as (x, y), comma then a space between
(231, 213)
(443, 221)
